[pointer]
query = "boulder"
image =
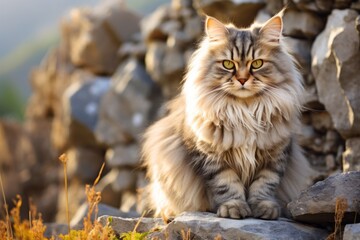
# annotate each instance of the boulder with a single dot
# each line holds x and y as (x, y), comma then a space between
(103, 210)
(120, 21)
(84, 163)
(335, 60)
(91, 46)
(123, 156)
(151, 25)
(81, 105)
(351, 156)
(301, 50)
(242, 12)
(317, 204)
(301, 24)
(208, 226)
(352, 232)
(124, 225)
(128, 107)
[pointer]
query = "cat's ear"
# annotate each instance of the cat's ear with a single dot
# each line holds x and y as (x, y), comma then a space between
(215, 30)
(272, 29)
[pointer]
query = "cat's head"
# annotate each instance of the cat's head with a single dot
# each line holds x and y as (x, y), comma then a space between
(242, 63)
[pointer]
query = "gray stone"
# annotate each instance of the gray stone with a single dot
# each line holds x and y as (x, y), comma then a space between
(103, 210)
(123, 156)
(208, 226)
(241, 12)
(317, 204)
(151, 25)
(81, 104)
(123, 224)
(351, 156)
(127, 108)
(302, 24)
(118, 20)
(84, 163)
(301, 50)
(55, 229)
(335, 63)
(321, 6)
(91, 46)
(321, 120)
(120, 179)
(154, 60)
(352, 232)
(193, 27)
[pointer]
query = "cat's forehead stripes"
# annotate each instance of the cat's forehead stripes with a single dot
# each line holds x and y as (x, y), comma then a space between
(243, 45)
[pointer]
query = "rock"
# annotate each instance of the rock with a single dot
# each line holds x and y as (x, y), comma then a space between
(274, 6)
(127, 108)
(301, 50)
(151, 25)
(84, 163)
(208, 226)
(302, 24)
(356, 5)
(241, 12)
(321, 6)
(103, 210)
(166, 66)
(321, 120)
(81, 104)
(123, 156)
(55, 229)
(352, 232)
(330, 162)
(317, 203)
(123, 225)
(91, 45)
(335, 70)
(17, 159)
(120, 21)
(341, 4)
(351, 156)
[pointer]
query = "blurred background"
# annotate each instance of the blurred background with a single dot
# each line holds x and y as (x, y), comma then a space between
(29, 30)
(86, 78)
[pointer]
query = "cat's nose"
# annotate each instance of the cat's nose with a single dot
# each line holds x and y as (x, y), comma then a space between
(242, 80)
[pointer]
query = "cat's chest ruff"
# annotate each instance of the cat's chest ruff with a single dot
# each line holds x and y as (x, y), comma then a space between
(235, 129)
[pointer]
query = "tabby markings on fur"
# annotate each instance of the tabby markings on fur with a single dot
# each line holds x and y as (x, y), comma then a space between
(227, 143)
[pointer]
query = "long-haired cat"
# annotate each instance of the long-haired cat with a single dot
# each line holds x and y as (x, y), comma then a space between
(227, 143)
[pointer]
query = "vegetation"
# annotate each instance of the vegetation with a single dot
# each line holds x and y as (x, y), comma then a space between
(11, 101)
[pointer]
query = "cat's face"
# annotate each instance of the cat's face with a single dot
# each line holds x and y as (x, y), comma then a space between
(243, 63)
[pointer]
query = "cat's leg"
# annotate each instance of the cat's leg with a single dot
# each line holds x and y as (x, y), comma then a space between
(262, 190)
(227, 191)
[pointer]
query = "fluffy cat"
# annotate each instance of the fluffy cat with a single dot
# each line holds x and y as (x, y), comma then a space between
(227, 143)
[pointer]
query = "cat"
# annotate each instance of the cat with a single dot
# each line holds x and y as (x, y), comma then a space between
(227, 143)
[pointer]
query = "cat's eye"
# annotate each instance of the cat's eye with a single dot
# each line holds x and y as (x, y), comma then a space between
(228, 64)
(256, 64)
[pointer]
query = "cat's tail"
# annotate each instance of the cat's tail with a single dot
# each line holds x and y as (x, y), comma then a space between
(298, 176)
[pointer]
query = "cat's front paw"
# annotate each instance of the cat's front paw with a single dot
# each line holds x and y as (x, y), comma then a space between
(234, 209)
(265, 209)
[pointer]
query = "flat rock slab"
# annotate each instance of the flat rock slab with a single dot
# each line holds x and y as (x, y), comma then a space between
(352, 232)
(317, 204)
(200, 225)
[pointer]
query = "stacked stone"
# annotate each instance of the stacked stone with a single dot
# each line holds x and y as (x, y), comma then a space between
(97, 92)
(323, 131)
(170, 34)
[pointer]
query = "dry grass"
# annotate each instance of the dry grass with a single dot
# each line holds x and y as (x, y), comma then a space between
(15, 228)
(340, 208)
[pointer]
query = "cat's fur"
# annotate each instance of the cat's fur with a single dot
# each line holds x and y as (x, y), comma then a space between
(226, 144)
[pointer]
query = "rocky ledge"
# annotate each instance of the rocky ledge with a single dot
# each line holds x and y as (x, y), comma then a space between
(203, 225)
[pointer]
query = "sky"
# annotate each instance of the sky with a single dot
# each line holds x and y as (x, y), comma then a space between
(21, 20)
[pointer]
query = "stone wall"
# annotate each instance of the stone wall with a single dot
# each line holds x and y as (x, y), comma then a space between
(94, 94)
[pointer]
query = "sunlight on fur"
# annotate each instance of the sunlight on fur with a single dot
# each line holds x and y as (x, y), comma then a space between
(227, 144)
